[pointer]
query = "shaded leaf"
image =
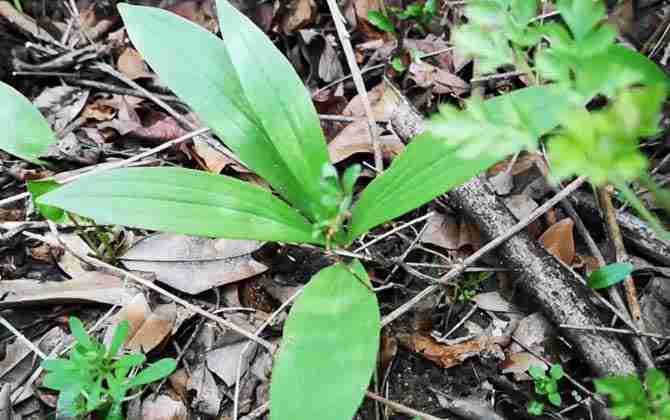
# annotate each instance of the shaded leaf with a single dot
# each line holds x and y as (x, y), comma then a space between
(610, 275)
(38, 188)
(182, 201)
(329, 348)
(27, 133)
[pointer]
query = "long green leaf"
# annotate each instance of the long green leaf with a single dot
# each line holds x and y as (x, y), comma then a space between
(26, 133)
(610, 275)
(242, 88)
(182, 201)
(329, 348)
(431, 166)
(159, 370)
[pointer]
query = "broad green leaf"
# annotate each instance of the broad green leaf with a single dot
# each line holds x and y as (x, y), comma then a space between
(120, 336)
(657, 384)
(26, 134)
(38, 188)
(581, 16)
(556, 371)
(381, 21)
(535, 408)
(80, 334)
(554, 398)
(610, 275)
(244, 89)
(443, 157)
(182, 201)
(536, 372)
(329, 348)
(156, 371)
(130, 360)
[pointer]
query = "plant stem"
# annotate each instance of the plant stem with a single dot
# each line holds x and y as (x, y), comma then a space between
(637, 204)
(18, 6)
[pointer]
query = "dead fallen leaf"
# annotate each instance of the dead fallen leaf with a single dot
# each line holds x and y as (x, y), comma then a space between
(494, 302)
(439, 80)
(194, 264)
(90, 286)
(443, 231)
(18, 363)
(163, 408)
(132, 64)
(148, 328)
(61, 104)
(200, 12)
(518, 364)
(298, 14)
(210, 158)
(447, 356)
(355, 138)
(206, 396)
(383, 101)
(223, 361)
(559, 240)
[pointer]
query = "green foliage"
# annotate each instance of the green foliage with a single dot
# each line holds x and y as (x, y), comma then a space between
(546, 386)
(329, 347)
(610, 275)
(95, 378)
(496, 30)
(631, 399)
(39, 188)
(421, 14)
(26, 133)
(603, 145)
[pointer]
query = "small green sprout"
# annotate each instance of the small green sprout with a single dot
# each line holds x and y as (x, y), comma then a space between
(545, 385)
(94, 379)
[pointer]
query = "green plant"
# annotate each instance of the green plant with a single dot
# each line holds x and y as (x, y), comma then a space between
(95, 379)
(609, 275)
(248, 93)
(545, 386)
(632, 399)
(417, 13)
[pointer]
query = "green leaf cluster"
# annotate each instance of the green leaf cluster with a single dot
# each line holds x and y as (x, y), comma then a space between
(632, 399)
(545, 385)
(95, 378)
(497, 31)
(603, 144)
(422, 14)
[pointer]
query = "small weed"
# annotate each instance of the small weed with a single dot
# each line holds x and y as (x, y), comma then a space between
(545, 386)
(94, 379)
(632, 399)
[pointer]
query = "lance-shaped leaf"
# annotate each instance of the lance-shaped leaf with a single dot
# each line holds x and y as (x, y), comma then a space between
(26, 133)
(244, 89)
(444, 156)
(329, 348)
(182, 201)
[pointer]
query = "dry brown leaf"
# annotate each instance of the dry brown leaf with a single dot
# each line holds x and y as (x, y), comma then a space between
(355, 138)
(223, 361)
(194, 264)
(383, 101)
(559, 240)
(518, 364)
(299, 14)
(494, 302)
(441, 81)
(163, 408)
(200, 12)
(132, 64)
(90, 286)
(148, 328)
(209, 158)
(61, 104)
(442, 231)
(206, 396)
(447, 356)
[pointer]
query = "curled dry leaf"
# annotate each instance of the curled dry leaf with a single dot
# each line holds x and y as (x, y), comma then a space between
(163, 408)
(447, 356)
(194, 264)
(148, 328)
(439, 80)
(559, 240)
(299, 14)
(224, 360)
(61, 104)
(90, 286)
(132, 64)
(355, 138)
(201, 384)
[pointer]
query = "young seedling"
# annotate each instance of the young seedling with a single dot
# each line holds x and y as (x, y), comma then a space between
(246, 91)
(632, 399)
(96, 379)
(546, 386)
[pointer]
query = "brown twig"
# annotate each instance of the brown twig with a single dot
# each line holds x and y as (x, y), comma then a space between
(460, 268)
(358, 81)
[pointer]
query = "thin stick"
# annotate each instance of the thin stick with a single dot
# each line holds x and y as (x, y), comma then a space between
(394, 230)
(19, 335)
(616, 331)
(117, 165)
(460, 268)
(358, 81)
(401, 408)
